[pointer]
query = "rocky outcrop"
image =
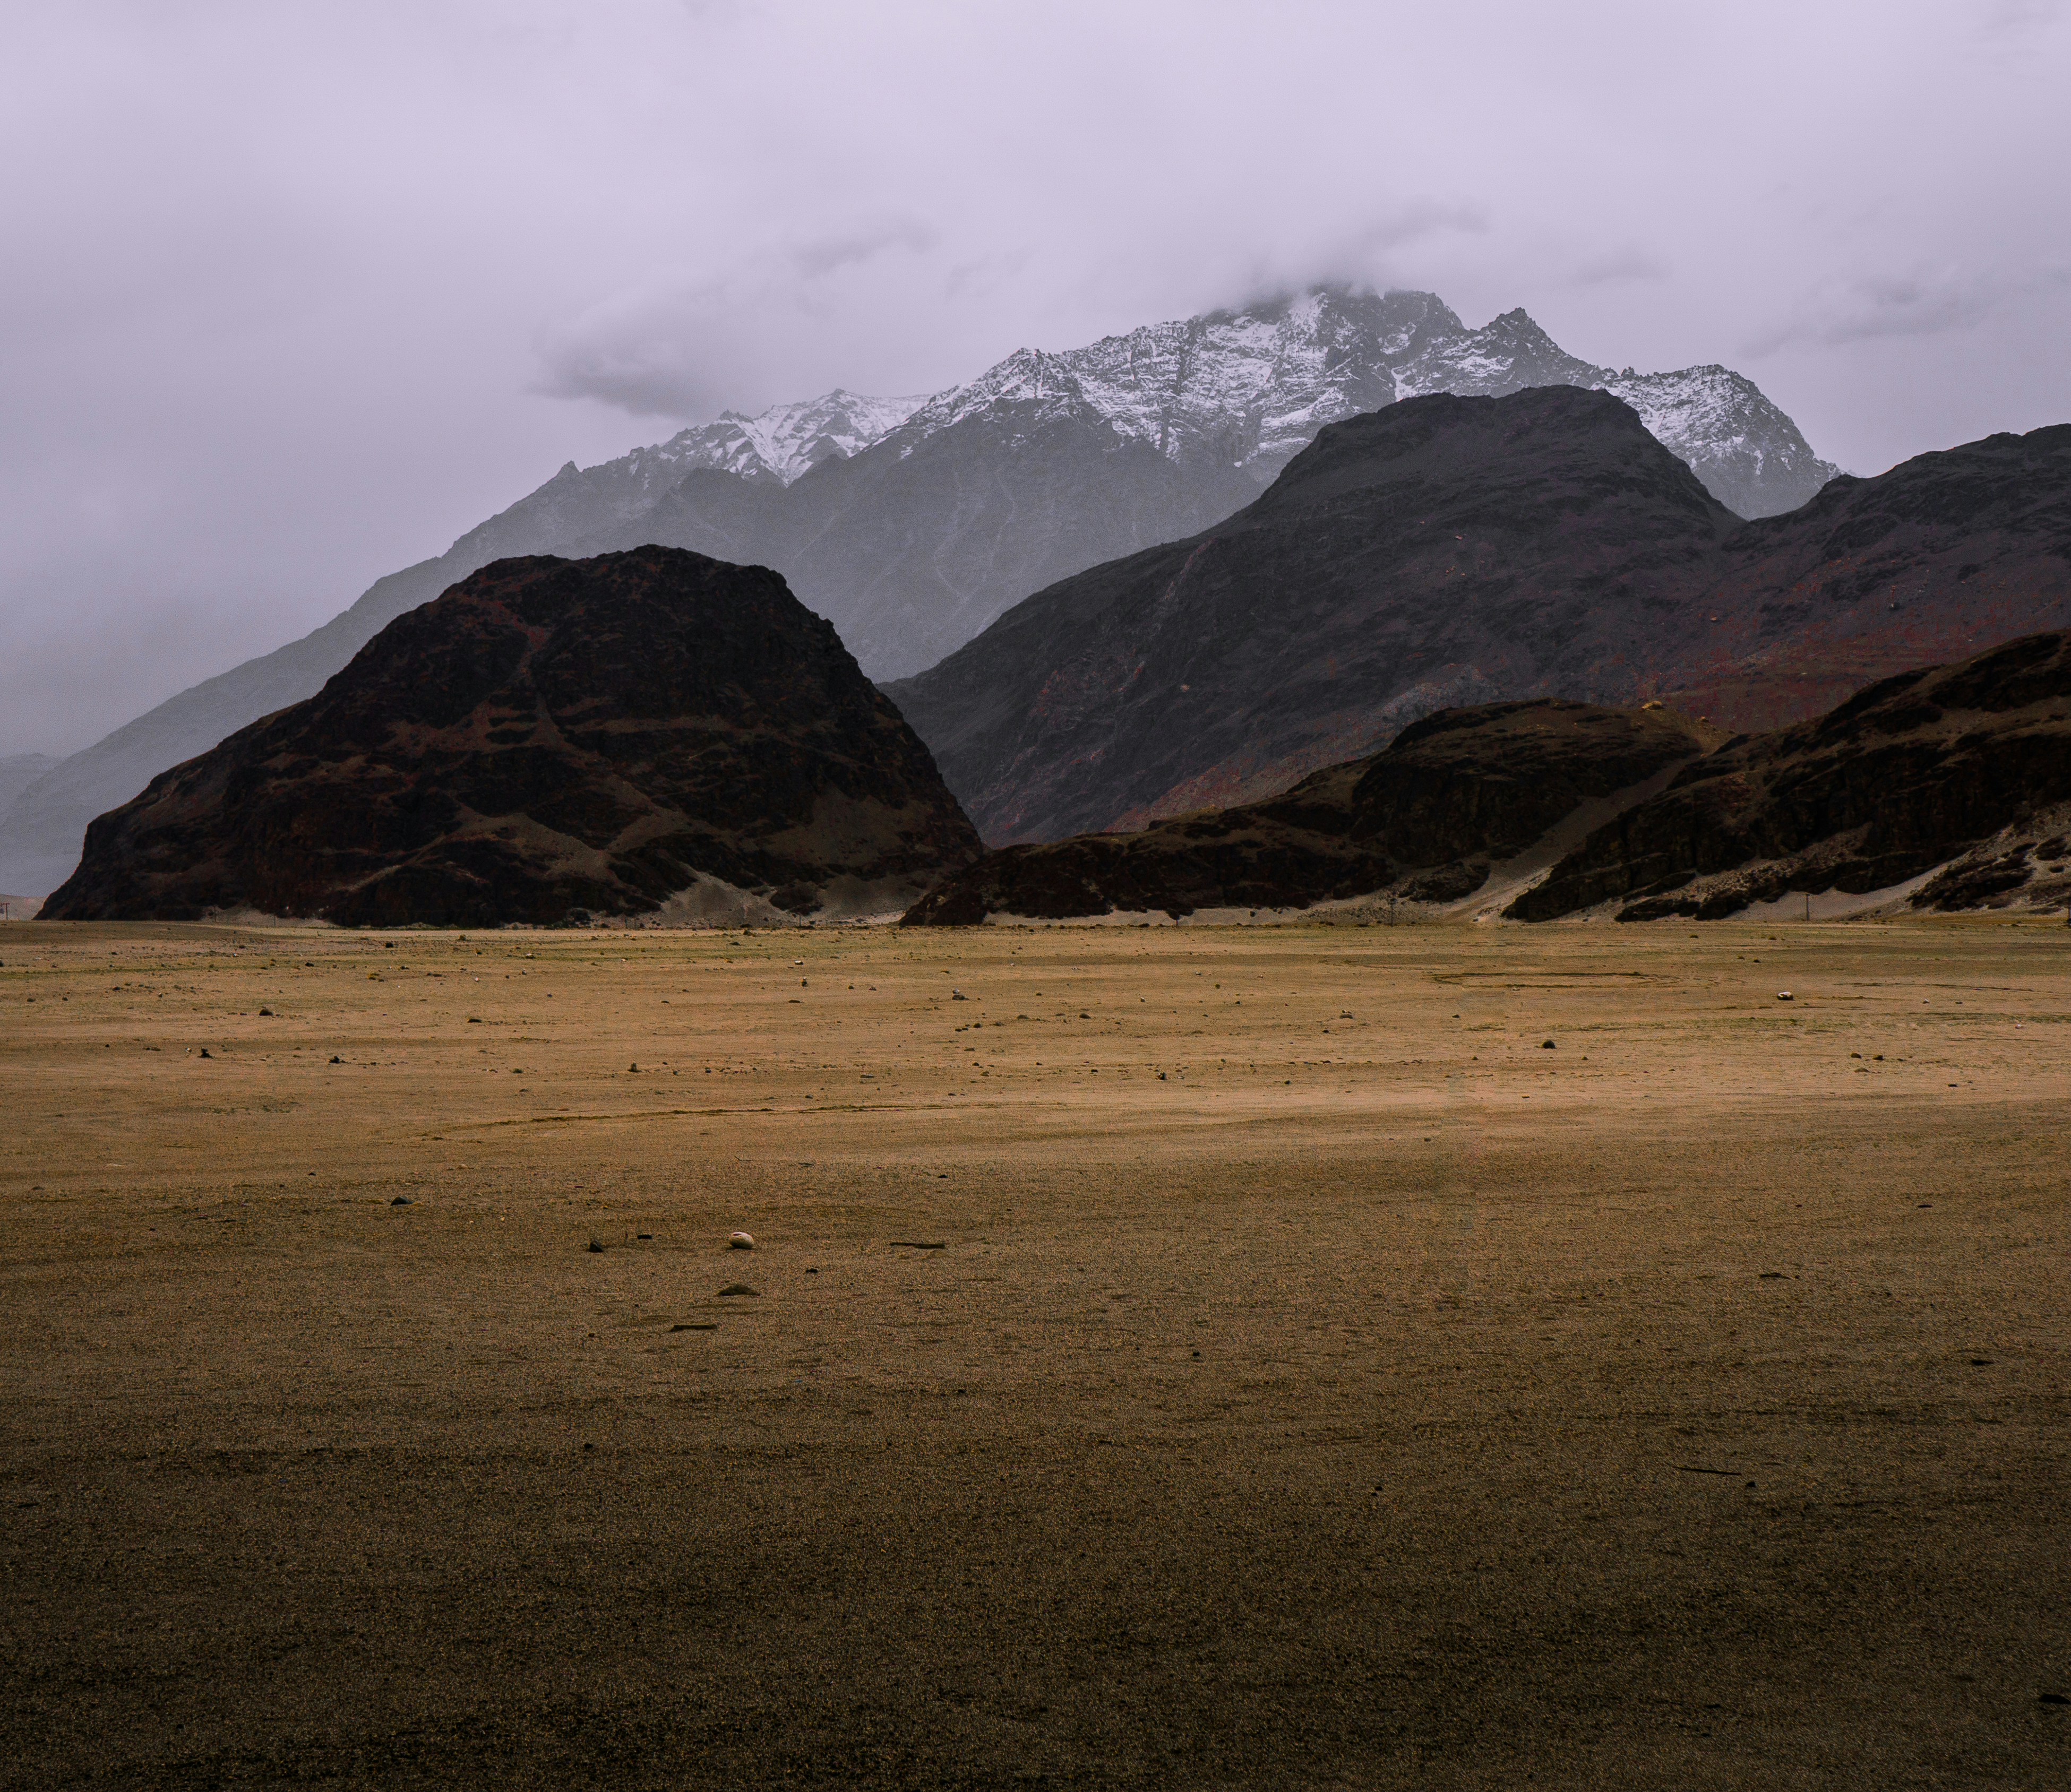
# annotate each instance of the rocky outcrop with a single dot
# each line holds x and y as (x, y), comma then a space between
(551, 739)
(1966, 766)
(1426, 819)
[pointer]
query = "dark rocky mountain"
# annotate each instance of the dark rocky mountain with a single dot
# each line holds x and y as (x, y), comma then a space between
(1946, 554)
(1448, 550)
(912, 525)
(1441, 551)
(1426, 819)
(40, 833)
(1964, 767)
(646, 733)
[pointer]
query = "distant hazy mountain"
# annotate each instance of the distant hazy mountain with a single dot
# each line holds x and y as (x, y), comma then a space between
(1047, 464)
(18, 771)
(912, 525)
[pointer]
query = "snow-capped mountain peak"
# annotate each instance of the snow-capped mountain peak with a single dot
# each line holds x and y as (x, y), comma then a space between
(1240, 387)
(1249, 388)
(785, 441)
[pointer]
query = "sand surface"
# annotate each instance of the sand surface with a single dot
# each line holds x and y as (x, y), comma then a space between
(1373, 1398)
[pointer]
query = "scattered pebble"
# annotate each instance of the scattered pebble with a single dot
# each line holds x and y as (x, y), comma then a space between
(1548, 1046)
(400, 1200)
(337, 1060)
(915, 1245)
(1783, 995)
(597, 1247)
(205, 1051)
(739, 1287)
(696, 1325)
(741, 1241)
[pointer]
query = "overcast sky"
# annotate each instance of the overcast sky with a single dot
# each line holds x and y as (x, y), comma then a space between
(297, 292)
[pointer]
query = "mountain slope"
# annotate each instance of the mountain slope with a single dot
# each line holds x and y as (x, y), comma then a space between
(912, 526)
(1430, 814)
(1905, 777)
(780, 444)
(1450, 551)
(913, 546)
(602, 734)
(1945, 554)
(18, 771)
(1441, 551)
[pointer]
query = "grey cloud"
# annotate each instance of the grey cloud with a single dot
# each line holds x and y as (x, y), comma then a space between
(683, 349)
(1928, 302)
(296, 295)
(2018, 17)
(815, 261)
(1615, 266)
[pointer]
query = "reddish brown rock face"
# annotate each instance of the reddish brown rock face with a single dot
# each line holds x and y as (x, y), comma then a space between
(1427, 816)
(549, 735)
(1911, 773)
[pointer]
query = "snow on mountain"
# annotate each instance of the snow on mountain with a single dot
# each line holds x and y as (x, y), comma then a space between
(1241, 388)
(1751, 456)
(1250, 388)
(1027, 378)
(1506, 355)
(783, 441)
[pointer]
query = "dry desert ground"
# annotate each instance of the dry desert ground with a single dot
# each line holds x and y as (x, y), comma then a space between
(1230, 1358)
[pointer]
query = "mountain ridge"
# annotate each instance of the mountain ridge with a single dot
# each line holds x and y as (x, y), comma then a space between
(1446, 550)
(1943, 788)
(1428, 817)
(914, 539)
(1908, 775)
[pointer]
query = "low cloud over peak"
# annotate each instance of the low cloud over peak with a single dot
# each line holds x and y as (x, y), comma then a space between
(297, 295)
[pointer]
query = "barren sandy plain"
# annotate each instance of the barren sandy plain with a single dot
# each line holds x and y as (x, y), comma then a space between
(1319, 1382)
